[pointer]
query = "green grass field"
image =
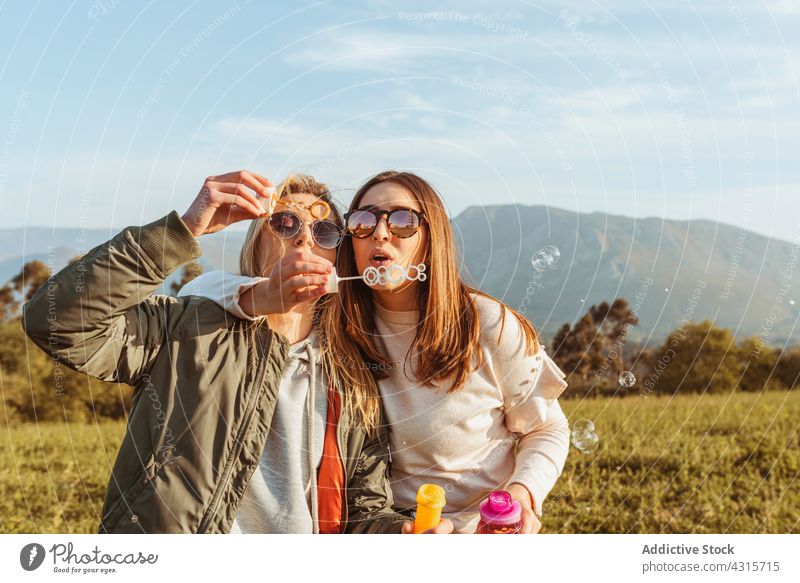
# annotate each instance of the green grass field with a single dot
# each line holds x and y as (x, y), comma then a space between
(695, 464)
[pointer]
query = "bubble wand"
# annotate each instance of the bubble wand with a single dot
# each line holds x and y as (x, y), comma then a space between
(383, 275)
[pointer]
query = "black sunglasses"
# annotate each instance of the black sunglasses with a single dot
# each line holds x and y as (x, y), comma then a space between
(402, 222)
(286, 225)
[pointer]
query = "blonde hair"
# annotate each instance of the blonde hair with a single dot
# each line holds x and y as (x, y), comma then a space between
(361, 402)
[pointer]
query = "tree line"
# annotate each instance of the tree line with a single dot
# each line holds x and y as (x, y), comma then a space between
(594, 351)
(697, 357)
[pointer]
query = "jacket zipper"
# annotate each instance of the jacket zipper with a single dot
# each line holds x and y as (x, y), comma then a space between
(237, 448)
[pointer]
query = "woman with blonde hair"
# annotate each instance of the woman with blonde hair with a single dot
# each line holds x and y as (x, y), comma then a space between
(234, 425)
(470, 395)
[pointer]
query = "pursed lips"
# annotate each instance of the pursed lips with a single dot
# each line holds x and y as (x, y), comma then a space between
(379, 257)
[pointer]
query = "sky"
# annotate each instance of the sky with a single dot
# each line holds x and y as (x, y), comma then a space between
(114, 112)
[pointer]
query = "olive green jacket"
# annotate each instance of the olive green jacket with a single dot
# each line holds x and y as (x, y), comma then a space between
(205, 387)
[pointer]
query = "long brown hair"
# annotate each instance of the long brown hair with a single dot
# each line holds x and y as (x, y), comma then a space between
(448, 329)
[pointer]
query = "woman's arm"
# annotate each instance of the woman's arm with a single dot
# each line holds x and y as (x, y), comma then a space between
(530, 385)
(541, 456)
(95, 315)
(226, 290)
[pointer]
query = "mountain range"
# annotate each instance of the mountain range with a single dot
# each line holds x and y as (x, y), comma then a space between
(670, 271)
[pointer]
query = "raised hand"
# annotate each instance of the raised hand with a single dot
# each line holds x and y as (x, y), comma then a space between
(226, 199)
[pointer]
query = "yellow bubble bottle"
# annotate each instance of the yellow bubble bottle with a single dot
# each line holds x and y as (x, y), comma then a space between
(430, 501)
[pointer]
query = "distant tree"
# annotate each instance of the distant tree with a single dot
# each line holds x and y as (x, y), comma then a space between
(37, 387)
(578, 349)
(595, 343)
(21, 288)
(760, 364)
(614, 322)
(788, 370)
(190, 271)
(696, 358)
(8, 302)
(33, 275)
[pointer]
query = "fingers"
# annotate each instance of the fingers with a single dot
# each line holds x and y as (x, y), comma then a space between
(301, 281)
(444, 527)
(309, 294)
(309, 287)
(255, 181)
(237, 213)
(309, 264)
(239, 190)
(252, 211)
(527, 522)
(248, 179)
(261, 179)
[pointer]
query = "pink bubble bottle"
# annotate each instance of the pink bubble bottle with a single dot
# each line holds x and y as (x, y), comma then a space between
(500, 514)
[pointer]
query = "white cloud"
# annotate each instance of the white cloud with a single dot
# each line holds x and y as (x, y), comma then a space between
(363, 51)
(784, 7)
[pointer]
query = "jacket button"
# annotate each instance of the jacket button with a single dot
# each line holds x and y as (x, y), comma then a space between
(134, 518)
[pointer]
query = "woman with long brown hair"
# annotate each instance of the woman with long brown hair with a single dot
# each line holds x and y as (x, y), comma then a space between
(469, 393)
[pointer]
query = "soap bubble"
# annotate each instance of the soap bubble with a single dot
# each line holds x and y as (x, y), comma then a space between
(587, 443)
(626, 379)
(546, 258)
(582, 426)
(553, 251)
(584, 437)
(541, 260)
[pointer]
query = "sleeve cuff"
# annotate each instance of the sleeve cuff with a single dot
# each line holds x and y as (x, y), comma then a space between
(234, 307)
(167, 242)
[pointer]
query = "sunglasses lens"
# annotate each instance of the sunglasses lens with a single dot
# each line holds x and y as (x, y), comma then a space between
(403, 223)
(361, 224)
(326, 234)
(285, 224)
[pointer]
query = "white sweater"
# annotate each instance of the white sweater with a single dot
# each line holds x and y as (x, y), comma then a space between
(504, 426)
